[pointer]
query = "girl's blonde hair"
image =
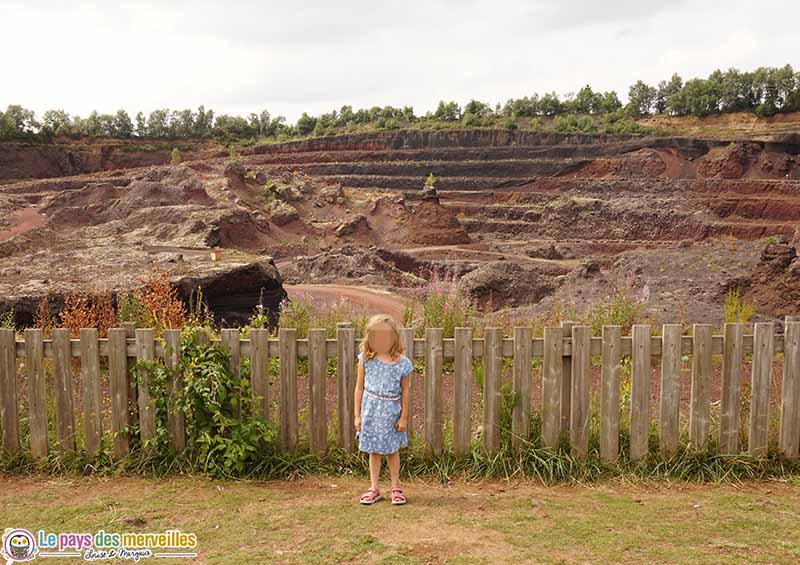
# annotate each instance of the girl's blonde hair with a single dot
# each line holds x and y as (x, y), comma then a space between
(396, 347)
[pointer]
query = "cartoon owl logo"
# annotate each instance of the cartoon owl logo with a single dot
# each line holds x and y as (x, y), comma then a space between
(19, 545)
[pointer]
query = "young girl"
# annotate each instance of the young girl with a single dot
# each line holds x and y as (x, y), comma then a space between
(381, 403)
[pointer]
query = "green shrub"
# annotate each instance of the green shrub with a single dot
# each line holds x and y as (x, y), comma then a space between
(617, 310)
(176, 156)
(736, 309)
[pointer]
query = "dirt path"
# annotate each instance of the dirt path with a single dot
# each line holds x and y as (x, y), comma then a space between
(317, 519)
(372, 300)
(22, 221)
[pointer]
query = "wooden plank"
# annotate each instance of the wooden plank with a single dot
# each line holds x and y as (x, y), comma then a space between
(579, 404)
(521, 412)
(552, 367)
(287, 341)
(566, 377)
(317, 377)
(259, 371)
(790, 391)
(434, 422)
(145, 351)
(640, 392)
(732, 361)
(670, 401)
(133, 387)
(62, 377)
(90, 376)
(9, 414)
(118, 381)
(700, 400)
(609, 393)
(231, 339)
(761, 382)
(462, 402)
(346, 384)
(407, 341)
(37, 392)
(176, 422)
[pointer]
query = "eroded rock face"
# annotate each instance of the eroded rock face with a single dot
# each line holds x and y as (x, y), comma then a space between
(503, 283)
(775, 282)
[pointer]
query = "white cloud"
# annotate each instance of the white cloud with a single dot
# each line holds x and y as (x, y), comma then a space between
(240, 56)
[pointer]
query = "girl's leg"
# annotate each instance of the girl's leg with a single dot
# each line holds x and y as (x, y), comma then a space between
(394, 468)
(374, 468)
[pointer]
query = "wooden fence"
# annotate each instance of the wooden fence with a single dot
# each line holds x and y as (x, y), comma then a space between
(565, 354)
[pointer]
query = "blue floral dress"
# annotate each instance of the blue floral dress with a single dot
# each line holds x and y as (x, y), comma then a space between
(381, 405)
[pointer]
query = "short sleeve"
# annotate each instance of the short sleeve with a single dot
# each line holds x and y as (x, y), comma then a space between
(408, 366)
(360, 356)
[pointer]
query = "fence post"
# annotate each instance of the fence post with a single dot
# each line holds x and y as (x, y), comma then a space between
(133, 389)
(37, 392)
(407, 340)
(259, 370)
(346, 383)
(552, 367)
(609, 394)
(640, 392)
(175, 418)
(700, 404)
(433, 391)
(118, 380)
(732, 359)
(231, 339)
(62, 376)
(566, 378)
(145, 351)
(521, 413)
(763, 349)
(579, 405)
(462, 402)
(790, 389)
(287, 351)
(670, 402)
(317, 377)
(8, 390)
(90, 375)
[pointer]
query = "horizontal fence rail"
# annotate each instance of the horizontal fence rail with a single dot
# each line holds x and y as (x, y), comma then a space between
(564, 359)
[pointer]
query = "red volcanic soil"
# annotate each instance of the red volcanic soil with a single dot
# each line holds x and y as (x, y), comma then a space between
(22, 221)
(372, 301)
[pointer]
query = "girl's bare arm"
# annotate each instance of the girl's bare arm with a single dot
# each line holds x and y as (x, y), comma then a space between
(402, 422)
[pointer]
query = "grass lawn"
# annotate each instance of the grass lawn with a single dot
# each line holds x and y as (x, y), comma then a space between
(318, 519)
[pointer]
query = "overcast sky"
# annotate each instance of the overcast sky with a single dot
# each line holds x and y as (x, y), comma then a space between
(287, 56)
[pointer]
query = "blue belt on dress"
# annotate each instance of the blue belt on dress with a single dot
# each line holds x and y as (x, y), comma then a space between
(382, 397)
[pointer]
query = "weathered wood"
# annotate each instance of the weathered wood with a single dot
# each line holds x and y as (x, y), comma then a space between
(732, 361)
(761, 382)
(566, 379)
(133, 386)
(521, 412)
(579, 403)
(434, 421)
(175, 417)
(118, 382)
(37, 392)
(145, 351)
(346, 384)
(640, 392)
(700, 402)
(462, 402)
(287, 343)
(669, 406)
(62, 381)
(90, 376)
(552, 368)
(317, 377)
(407, 341)
(231, 339)
(9, 414)
(259, 371)
(609, 393)
(790, 391)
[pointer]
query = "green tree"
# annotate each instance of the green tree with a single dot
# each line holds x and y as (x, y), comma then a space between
(306, 124)
(640, 98)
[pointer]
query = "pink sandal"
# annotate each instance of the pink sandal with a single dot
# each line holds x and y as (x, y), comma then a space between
(372, 496)
(397, 496)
